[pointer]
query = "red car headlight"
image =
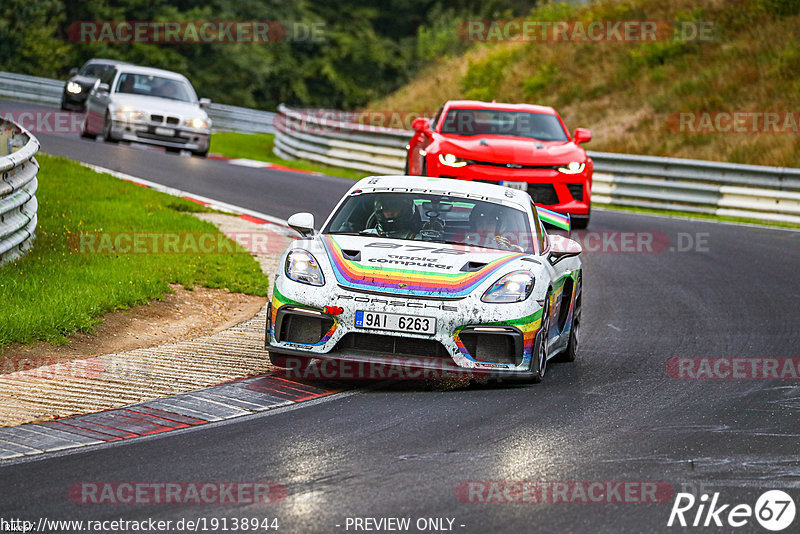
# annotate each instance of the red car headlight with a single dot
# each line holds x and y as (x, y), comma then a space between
(573, 167)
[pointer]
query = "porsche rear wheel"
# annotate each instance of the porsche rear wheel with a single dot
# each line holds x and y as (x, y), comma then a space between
(571, 352)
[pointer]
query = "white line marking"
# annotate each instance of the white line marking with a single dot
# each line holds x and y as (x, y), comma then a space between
(614, 327)
(216, 204)
(694, 219)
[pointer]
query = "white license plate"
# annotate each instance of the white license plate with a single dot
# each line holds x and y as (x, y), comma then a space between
(522, 186)
(396, 322)
(169, 132)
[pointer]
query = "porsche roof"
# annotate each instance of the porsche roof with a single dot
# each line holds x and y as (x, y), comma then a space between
(401, 183)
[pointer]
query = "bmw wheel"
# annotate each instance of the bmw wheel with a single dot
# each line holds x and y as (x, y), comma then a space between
(85, 129)
(107, 136)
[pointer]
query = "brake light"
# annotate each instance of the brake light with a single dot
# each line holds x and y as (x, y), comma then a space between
(333, 310)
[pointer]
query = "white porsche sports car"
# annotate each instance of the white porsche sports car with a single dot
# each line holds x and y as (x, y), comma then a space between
(429, 273)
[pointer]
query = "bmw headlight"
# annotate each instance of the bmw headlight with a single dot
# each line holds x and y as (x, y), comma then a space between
(513, 287)
(452, 161)
(197, 123)
(302, 266)
(573, 167)
(130, 114)
(74, 88)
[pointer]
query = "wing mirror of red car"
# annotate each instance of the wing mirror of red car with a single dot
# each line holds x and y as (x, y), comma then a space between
(422, 124)
(582, 135)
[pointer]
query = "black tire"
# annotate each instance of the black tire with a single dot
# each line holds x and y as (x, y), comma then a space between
(581, 223)
(424, 171)
(172, 150)
(571, 352)
(406, 168)
(200, 154)
(294, 363)
(64, 106)
(539, 356)
(84, 133)
(107, 137)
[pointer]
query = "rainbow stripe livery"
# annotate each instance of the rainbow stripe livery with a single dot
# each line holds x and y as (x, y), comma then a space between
(356, 275)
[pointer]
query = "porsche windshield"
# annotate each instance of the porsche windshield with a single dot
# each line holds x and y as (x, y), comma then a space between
(434, 218)
(503, 122)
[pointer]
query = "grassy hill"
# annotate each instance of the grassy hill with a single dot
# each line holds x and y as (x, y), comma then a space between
(630, 93)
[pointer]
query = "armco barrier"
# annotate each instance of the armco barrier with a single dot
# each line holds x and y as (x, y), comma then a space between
(333, 138)
(47, 91)
(18, 203)
(722, 189)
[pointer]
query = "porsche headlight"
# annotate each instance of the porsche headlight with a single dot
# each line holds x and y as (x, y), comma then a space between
(74, 88)
(130, 114)
(573, 167)
(302, 266)
(451, 160)
(513, 287)
(197, 123)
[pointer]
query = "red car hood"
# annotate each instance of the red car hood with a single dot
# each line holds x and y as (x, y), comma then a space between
(506, 149)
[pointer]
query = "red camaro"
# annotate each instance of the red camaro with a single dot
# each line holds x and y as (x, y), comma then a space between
(519, 145)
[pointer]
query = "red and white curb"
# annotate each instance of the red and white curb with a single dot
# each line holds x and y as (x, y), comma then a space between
(226, 401)
(250, 215)
(184, 410)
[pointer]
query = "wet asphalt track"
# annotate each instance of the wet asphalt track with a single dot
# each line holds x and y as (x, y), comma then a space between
(401, 450)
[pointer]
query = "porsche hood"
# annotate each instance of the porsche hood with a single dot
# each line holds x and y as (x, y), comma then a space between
(411, 268)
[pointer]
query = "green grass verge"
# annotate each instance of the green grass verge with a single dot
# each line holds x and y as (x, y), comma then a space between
(703, 216)
(55, 290)
(258, 146)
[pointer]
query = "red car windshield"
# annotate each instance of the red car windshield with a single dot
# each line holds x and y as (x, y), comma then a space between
(539, 126)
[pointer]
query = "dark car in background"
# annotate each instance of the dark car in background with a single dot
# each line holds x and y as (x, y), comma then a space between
(77, 88)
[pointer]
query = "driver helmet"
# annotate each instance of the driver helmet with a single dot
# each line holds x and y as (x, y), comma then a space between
(485, 218)
(394, 212)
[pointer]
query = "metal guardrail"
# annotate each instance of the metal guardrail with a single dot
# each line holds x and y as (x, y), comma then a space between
(48, 91)
(334, 138)
(722, 189)
(18, 203)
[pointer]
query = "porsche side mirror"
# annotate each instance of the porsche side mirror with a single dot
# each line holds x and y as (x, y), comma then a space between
(302, 223)
(204, 103)
(102, 88)
(563, 247)
(582, 135)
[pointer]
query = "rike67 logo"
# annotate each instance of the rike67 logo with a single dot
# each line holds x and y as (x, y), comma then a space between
(774, 510)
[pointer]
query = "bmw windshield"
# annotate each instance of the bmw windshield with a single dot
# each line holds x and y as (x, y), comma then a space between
(434, 218)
